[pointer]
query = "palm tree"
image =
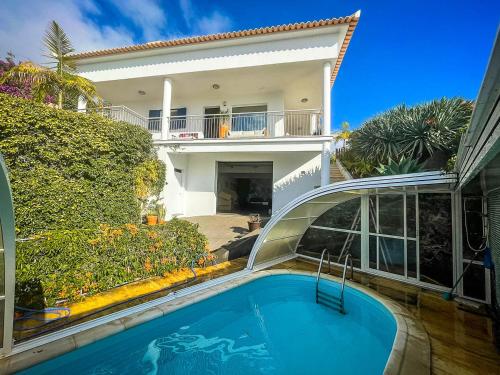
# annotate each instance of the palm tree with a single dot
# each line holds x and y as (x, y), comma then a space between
(59, 79)
(344, 135)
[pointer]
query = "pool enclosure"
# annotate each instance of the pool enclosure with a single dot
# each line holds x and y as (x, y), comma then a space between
(7, 261)
(402, 227)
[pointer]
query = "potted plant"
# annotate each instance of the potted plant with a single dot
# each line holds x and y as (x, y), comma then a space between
(254, 222)
(152, 214)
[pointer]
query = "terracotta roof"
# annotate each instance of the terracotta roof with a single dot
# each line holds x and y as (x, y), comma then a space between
(352, 25)
(351, 20)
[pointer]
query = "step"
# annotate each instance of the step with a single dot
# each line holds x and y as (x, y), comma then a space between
(328, 297)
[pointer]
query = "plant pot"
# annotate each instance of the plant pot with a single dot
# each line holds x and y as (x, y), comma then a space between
(152, 219)
(253, 225)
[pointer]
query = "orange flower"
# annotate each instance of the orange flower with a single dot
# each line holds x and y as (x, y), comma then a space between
(132, 228)
(152, 235)
(147, 265)
(94, 242)
(116, 233)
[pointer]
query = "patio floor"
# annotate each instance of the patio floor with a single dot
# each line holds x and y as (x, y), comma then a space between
(221, 229)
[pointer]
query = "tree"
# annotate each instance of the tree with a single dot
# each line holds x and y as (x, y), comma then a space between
(59, 79)
(416, 132)
(344, 135)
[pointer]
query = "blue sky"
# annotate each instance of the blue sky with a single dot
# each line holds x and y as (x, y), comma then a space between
(403, 51)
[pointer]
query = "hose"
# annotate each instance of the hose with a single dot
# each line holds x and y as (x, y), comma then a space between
(482, 248)
(51, 329)
(30, 314)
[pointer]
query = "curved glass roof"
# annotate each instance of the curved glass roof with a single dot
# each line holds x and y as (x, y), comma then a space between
(281, 235)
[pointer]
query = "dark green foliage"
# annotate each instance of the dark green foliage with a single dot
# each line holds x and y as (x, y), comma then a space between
(357, 166)
(70, 264)
(419, 133)
(401, 166)
(413, 132)
(70, 170)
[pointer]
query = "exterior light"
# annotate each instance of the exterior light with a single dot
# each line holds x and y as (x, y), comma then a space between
(141, 92)
(304, 100)
(215, 86)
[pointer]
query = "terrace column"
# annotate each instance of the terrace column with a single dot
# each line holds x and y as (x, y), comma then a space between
(82, 104)
(325, 164)
(325, 152)
(327, 91)
(167, 103)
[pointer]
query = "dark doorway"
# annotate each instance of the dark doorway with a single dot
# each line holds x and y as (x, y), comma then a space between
(245, 187)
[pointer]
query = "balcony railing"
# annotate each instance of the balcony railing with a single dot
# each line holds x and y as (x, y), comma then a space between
(226, 126)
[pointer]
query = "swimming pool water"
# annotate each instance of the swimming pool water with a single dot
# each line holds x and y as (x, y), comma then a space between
(271, 325)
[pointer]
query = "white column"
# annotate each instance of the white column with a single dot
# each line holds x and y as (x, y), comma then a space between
(325, 164)
(327, 95)
(82, 104)
(167, 103)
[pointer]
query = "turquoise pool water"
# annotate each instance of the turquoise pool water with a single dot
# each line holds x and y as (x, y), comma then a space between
(271, 325)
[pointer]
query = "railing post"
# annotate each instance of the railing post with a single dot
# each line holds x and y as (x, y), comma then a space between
(167, 102)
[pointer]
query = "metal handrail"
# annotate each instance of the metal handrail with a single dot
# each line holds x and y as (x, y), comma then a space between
(319, 269)
(347, 257)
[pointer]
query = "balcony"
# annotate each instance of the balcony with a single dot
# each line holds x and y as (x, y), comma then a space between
(289, 123)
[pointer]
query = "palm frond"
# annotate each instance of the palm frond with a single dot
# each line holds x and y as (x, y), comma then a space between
(58, 48)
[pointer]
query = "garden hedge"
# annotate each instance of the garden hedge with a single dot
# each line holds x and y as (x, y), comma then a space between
(71, 170)
(70, 264)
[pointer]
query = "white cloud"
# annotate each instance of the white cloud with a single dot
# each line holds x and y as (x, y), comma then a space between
(145, 14)
(23, 24)
(215, 23)
(199, 23)
(187, 11)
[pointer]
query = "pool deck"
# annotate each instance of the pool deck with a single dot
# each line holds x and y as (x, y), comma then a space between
(461, 342)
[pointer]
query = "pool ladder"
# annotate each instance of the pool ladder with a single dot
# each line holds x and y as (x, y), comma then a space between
(334, 302)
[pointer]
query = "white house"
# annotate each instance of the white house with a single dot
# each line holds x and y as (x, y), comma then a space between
(242, 119)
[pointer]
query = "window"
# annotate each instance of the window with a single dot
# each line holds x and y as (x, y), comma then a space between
(249, 118)
(177, 119)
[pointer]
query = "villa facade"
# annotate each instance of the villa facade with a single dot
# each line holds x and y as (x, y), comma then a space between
(241, 119)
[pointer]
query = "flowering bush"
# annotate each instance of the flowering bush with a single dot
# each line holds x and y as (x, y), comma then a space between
(21, 90)
(70, 264)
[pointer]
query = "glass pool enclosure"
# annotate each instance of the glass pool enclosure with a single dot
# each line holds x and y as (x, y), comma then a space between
(402, 227)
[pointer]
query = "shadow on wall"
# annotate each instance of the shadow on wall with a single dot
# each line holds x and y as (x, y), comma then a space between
(292, 187)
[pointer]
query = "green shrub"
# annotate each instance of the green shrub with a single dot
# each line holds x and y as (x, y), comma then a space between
(70, 170)
(67, 265)
(413, 132)
(358, 167)
(401, 166)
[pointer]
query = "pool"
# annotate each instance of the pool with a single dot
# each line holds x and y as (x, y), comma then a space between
(270, 325)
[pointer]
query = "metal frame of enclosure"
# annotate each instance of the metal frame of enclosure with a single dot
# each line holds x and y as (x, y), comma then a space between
(7, 261)
(283, 236)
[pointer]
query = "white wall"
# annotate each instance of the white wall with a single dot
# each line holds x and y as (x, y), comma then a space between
(294, 173)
